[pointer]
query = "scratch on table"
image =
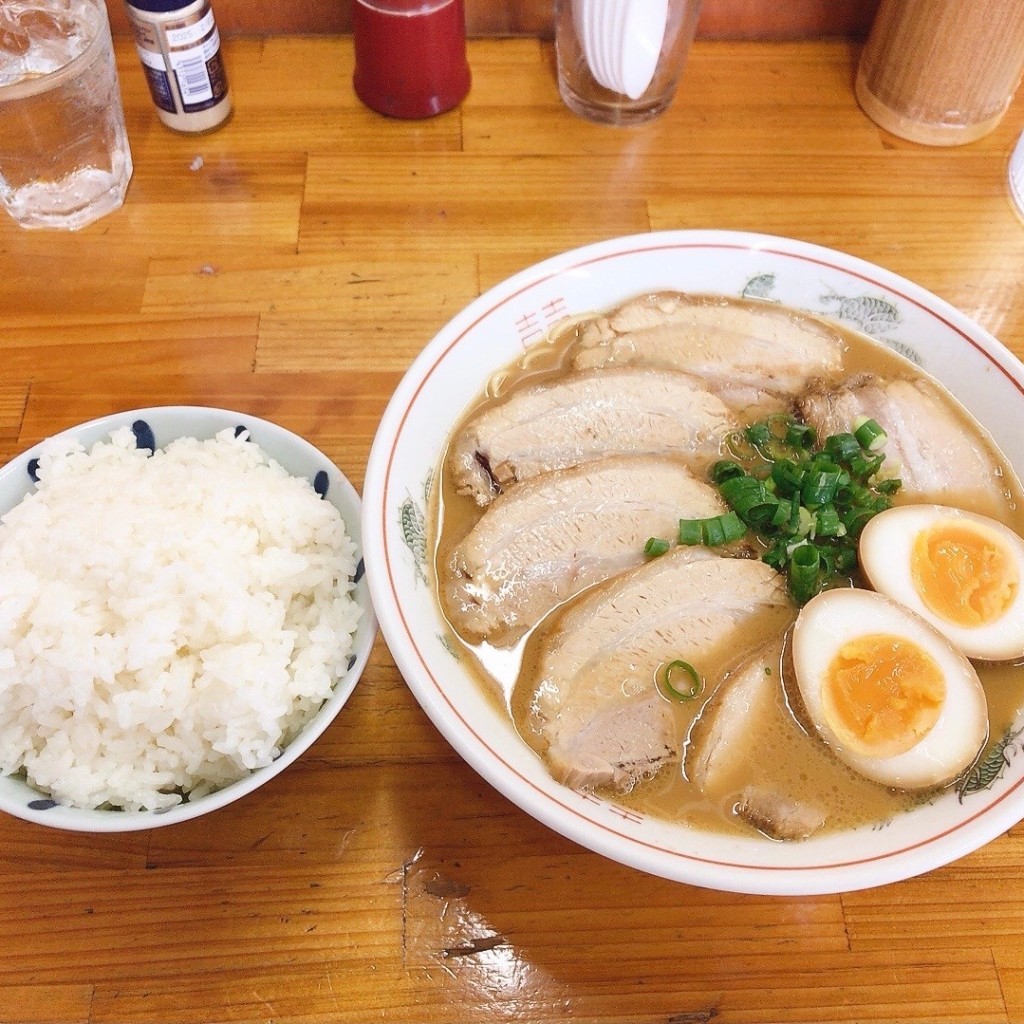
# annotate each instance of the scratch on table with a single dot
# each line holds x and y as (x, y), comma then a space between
(693, 1016)
(474, 946)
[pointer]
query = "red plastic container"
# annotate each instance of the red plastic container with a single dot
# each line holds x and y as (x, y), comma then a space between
(410, 56)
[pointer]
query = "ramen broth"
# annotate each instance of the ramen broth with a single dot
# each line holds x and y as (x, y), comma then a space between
(787, 753)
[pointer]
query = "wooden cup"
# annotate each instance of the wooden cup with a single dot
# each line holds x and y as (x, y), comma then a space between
(942, 72)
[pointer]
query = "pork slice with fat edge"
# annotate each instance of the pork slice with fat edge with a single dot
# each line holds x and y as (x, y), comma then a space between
(551, 537)
(586, 416)
(756, 356)
(595, 707)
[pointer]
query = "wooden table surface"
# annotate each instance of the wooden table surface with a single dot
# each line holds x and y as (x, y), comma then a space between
(291, 266)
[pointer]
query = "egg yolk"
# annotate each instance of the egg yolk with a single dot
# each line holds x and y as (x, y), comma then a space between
(963, 573)
(881, 694)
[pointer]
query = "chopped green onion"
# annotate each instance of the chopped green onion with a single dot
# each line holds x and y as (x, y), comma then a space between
(862, 466)
(827, 561)
(769, 437)
(690, 532)
(806, 504)
(713, 532)
(870, 435)
(733, 526)
(800, 435)
(739, 446)
(856, 519)
(744, 493)
(776, 556)
(761, 516)
(820, 486)
(759, 434)
(788, 477)
(804, 521)
(805, 563)
(846, 558)
(853, 494)
(827, 522)
(724, 470)
(842, 447)
(783, 511)
(793, 526)
(655, 547)
(676, 670)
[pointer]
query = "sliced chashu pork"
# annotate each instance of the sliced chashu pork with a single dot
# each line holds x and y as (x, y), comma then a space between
(940, 456)
(551, 537)
(755, 356)
(596, 709)
(587, 416)
(733, 722)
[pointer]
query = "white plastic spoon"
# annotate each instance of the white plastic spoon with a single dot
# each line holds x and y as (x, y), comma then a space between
(597, 17)
(615, 19)
(643, 34)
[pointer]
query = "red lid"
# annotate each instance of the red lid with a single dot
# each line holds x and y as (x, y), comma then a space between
(410, 56)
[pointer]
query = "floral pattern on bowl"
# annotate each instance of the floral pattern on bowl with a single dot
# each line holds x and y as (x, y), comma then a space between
(520, 312)
(154, 428)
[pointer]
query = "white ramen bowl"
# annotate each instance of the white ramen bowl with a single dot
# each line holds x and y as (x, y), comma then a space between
(298, 457)
(496, 329)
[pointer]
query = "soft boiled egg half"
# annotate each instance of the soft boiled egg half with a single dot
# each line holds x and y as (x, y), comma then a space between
(959, 570)
(887, 692)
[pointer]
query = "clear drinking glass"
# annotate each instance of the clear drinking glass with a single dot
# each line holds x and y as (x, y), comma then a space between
(620, 61)
(1016, 177)
(64, 156)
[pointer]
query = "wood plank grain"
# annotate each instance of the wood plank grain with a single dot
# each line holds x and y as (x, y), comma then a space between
(306, 917)
(29, 847)
(1011, 976)
(446, 203)
(928, 918)
(71, 281)
(473, 915)
(750, 19)
(324, 313)
(521, 73)
(812, 123)
(475, 980)
(448, 179)
(12, 407)
(337, 411)
(295, 95)
(386, 334)
(949, 252)
(291, 266)
(38, 348)
(41, 1004)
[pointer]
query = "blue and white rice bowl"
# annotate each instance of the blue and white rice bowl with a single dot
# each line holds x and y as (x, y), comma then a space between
(156, 428)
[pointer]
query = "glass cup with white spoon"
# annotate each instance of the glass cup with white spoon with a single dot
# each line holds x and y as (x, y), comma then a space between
(620, 61)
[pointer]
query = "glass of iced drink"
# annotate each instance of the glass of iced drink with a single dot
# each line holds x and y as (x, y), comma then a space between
(64, 157)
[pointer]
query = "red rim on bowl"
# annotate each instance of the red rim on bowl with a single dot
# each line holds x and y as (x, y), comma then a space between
(503, 322)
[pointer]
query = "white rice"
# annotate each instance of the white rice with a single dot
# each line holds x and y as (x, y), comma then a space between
(167, 623)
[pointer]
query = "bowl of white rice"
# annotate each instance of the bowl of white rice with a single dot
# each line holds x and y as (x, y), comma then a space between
(183, 612)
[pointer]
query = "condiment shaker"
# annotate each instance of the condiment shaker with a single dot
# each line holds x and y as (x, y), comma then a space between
(410, 56)
(942, 72)
(179, 46)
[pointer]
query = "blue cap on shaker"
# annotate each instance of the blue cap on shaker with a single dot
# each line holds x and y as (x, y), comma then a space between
(160, 6)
